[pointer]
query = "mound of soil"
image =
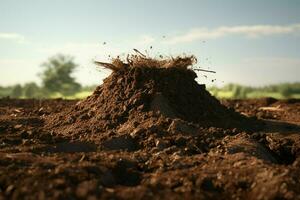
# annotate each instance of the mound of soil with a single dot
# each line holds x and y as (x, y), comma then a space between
(131, 99)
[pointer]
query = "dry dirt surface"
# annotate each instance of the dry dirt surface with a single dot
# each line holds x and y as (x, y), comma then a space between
(150, 134)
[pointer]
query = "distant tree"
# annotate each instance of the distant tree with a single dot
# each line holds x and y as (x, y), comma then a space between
(31, 90)
(239, 92)
(5, 91)
(229, 87)
(16, 91)
(285, 90)
(57, 75)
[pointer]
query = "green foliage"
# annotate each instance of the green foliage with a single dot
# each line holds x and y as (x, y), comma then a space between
(32, 90)
(235, 91)
(288, 89)
(5, 91)
(88, 88)
(57, 81)
(17, 91)
(57, 75)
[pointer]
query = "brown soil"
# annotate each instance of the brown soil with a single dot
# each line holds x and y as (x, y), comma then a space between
(150, 133)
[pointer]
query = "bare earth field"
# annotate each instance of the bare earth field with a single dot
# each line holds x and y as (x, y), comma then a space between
(121, 144)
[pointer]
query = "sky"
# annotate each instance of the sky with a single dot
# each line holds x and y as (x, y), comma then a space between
(253, 42)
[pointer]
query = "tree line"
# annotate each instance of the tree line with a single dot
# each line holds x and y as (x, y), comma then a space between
(57, 81)
(56, 78)
(236, 91)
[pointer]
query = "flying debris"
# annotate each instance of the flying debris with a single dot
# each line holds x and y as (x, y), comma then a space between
(204, 70)
(137, 51)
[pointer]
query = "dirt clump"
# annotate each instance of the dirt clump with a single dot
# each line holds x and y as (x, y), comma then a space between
(145, 96)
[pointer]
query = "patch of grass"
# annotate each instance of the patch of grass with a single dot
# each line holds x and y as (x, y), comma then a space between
(236, 91)
(82, 94)
(258, 94)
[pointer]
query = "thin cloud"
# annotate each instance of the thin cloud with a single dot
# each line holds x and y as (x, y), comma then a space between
(12, 37)
(254, 31)
(274, 62)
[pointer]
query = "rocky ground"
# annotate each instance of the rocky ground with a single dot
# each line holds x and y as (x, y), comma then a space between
(150, 135)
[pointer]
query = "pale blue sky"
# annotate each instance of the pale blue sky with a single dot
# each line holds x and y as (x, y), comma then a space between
(249, 42)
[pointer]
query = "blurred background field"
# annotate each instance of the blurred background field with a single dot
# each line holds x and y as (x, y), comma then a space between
(229, 91)
(278, 91)
(57, 81)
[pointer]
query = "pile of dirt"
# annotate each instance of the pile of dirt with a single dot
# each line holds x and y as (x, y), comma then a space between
(143, 99)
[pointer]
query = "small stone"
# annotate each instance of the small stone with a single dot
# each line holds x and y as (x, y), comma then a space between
(9, 189)
(17, 110)
(120, 80)
(18, 126)
(110, 190)
(269, 139)
(137, 131)
(78, 103)
(176, 155)
(140, 108)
